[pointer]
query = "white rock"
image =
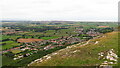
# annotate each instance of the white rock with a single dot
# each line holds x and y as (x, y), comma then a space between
(110, 63)
(48, 57)
(96, 42)
(15, 58)
(105, 61)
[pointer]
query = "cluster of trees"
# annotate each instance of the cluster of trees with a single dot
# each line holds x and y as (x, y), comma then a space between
(105, 30)
(5, 39)
(35, 29)
(9, 54)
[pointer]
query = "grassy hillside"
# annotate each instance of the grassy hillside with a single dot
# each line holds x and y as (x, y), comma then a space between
(79, 55)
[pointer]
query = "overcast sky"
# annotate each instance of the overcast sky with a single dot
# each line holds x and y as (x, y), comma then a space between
(80, 10)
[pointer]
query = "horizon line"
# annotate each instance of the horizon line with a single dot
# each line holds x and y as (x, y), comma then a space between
(63, 20)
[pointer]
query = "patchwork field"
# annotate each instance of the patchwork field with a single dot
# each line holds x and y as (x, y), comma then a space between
(9, 44)
(28, 40)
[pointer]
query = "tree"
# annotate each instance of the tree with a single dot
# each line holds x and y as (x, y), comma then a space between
(9, 54)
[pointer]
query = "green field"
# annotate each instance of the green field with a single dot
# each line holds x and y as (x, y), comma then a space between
(6, 60)
(10, 37)
(16, 51)
(9, 44)
(47, 38)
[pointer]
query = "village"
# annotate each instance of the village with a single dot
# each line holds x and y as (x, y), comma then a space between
(31, 46)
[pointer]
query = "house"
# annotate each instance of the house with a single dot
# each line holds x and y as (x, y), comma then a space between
(25, 48)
